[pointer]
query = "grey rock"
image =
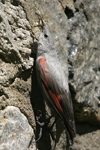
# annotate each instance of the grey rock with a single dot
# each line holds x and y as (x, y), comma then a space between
(15, 65)
(55, 19)
(75, 28)
(68, 4)
(15, 131)
(18, 94)
(77, 32)
(87, 141)
(15, 40)
(84, 58)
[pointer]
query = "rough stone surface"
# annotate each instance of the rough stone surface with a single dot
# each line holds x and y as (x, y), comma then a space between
(80, 30)
(89, 141)
(75, 28)
(18, 94)
(15, 131)
(84, 58)
(54, 17)
(15, 63)
(67, 4)
(15, 42)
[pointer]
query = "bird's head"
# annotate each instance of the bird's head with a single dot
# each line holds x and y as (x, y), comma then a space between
(45, 39)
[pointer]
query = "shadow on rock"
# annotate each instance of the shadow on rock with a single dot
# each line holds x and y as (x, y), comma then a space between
(83, 128)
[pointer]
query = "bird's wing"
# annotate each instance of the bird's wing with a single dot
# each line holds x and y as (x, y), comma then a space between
(59, 97)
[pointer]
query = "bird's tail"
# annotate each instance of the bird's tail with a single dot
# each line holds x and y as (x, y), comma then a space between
(71, 133)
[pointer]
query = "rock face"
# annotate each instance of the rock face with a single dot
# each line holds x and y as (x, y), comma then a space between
(15, 74)
(15, 131)
(88, 141)
(84, 57)
(75, 28)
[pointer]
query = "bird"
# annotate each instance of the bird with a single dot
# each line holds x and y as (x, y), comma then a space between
(53, 81)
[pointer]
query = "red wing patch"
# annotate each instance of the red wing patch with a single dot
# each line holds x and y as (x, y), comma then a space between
(43, 63)
(54, 96)
(43, 66)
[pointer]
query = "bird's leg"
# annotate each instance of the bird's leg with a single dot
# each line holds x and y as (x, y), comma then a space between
(41, 127)
(50, 129)
(38, 122)
(44, 125)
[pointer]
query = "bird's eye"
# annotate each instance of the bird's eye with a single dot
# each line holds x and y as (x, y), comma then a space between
(46, 35)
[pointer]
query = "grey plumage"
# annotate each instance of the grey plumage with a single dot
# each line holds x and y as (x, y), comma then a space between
(54, 81)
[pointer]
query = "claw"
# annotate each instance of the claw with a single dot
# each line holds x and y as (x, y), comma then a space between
(40, 135)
